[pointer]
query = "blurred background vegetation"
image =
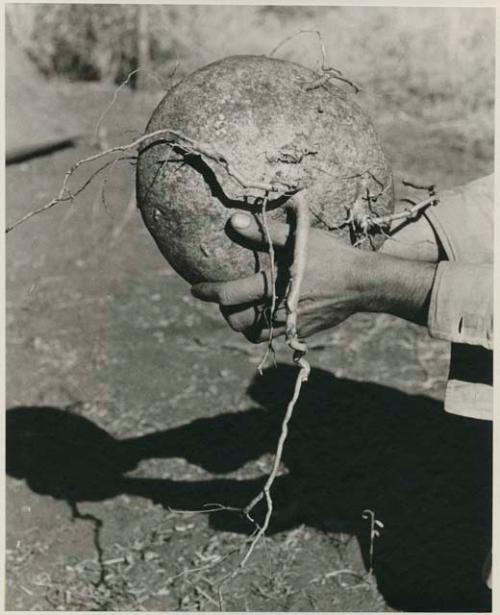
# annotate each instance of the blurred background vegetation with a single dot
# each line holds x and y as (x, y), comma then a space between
(423, 70)
(436, 62)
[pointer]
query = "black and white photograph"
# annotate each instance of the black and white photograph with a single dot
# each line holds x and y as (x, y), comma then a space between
(249, 307)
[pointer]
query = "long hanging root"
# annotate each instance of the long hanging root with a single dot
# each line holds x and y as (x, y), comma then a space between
(266, 490)
(272, 282)
(299, 207)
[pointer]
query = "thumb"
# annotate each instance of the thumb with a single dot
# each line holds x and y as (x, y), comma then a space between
(252, 228)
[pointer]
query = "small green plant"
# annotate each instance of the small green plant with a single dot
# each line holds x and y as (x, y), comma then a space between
(375, 527)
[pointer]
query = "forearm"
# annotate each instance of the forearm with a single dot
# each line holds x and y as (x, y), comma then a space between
(459, 228)
(397, 286)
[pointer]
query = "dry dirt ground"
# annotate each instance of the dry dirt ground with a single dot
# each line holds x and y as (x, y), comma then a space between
(127, 400)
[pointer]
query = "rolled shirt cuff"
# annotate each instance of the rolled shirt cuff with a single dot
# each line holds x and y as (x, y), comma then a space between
(461, 304)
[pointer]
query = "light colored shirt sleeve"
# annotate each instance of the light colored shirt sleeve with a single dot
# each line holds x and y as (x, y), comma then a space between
(461, 303)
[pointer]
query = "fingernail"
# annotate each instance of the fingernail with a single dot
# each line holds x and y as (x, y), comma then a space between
(241, 221)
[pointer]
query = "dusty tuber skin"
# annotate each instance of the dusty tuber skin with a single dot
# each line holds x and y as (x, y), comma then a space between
(261, 115)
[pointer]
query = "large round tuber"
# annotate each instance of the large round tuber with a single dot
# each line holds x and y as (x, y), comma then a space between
(275, 125)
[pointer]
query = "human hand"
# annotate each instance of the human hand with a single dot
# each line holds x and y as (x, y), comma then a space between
(333, 286)
(338, 281)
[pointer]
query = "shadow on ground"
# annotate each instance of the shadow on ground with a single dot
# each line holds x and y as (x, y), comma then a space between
(352, 446)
